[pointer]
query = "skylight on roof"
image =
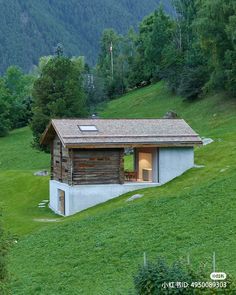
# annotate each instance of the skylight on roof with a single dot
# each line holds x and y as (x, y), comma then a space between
(88, 128)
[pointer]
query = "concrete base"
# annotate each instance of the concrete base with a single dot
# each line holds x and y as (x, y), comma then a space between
(81, 197)
(170, 163)
(174, 161)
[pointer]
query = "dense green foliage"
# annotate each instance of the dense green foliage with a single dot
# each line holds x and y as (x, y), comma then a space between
(98, 250)
(154, 278)
(15, 99)
(32, 28)
(57, 93)
(194, 50)
(4, 121)
(112, 62)
(180, 278)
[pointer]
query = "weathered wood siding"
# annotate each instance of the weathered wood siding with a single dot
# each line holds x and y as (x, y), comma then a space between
(86, 166)
(60, 162)
(98, 166)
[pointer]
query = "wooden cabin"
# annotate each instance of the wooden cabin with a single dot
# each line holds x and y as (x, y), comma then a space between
(87, 158)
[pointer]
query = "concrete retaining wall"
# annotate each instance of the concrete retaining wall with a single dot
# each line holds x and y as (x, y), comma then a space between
(81, 197)
(174, 162)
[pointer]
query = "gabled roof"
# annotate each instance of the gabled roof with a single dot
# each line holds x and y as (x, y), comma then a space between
(96, 133)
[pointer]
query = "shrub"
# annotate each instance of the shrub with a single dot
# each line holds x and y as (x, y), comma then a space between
(159, 278)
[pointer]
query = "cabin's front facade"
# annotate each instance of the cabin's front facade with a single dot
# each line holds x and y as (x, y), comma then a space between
(87, 158)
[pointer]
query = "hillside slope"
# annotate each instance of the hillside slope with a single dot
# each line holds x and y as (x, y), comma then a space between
(98, 251)
(20, 193)
(31, 28)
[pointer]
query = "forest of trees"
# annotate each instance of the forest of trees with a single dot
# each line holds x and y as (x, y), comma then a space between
(194, 51)
(30, 29)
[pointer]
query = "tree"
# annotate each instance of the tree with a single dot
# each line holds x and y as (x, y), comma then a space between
(185, 12)
(194, 74)
(94, 88)
(57, 93)
(172, 66)
(230, 71)
(139, 67)
(43, 60)
(4, 110)
(19, 86)
(4, 121)
(15, 99)
(159, 38)
(180, 56)
(211, 24)
(230, 55)
(107, 66)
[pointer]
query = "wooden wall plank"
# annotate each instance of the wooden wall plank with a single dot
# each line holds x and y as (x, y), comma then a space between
(81, 166)
(60, 162)
(98, 166)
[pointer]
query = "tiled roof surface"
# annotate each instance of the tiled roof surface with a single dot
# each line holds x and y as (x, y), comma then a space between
(122, 131)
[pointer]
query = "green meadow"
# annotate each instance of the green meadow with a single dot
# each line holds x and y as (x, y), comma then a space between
(98, 251)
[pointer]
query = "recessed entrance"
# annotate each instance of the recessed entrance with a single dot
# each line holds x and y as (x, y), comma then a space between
(145, 166)
(61, 202)
(142, 165)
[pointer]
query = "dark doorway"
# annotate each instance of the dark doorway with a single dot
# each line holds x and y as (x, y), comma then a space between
(61, 203)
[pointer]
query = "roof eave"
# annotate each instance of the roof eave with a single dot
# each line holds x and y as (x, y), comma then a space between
(47, 135)
(134, 144)
(44, 139)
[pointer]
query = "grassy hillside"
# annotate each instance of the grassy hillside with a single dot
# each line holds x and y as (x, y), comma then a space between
(98, 251)
(21, 191)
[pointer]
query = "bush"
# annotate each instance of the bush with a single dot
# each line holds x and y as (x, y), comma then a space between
(153, 279)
